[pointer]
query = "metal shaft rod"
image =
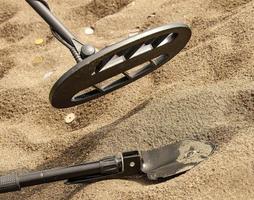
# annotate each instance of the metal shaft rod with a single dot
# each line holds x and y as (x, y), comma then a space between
(51, 20)
(58, 174)
(106, 166)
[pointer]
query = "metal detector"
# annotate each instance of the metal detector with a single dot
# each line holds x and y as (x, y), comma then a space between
(91, 77)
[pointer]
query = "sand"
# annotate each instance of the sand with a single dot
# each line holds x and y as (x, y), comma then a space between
(206, 93)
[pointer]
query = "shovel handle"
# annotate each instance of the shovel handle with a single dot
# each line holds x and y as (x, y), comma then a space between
(9, 183)
(106, 166)
(126, 164)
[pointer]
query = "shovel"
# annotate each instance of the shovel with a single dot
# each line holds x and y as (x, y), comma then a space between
(157, 164)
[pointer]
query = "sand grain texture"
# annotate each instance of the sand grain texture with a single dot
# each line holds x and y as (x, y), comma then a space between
(206, 92)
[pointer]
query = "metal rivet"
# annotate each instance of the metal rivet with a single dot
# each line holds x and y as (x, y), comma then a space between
(132, 164)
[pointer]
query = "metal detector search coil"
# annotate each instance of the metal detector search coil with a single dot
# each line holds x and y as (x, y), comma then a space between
(150, 49)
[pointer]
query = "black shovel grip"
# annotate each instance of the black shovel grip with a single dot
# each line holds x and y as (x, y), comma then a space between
(9, 183)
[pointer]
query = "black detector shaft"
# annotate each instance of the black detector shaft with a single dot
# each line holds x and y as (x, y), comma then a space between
(99, 73)
(41, 7)
(78, 50)
(155, 164)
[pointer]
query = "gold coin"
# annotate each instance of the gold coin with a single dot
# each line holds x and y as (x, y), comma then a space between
(37, 60)
(39, 41)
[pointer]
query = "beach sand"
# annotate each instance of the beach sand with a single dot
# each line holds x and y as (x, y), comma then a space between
(206, 92)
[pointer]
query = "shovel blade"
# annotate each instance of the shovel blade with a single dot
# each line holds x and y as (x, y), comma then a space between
(174, 159)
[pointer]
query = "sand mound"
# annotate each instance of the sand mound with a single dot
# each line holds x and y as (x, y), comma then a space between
(206, 92)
